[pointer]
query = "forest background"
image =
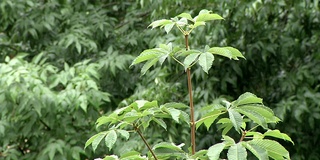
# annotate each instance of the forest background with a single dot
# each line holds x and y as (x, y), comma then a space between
(64, 63)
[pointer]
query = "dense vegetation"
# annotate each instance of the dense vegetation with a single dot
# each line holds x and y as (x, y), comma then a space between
(64, 64)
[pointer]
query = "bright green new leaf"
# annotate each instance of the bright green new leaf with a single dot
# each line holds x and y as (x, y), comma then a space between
(215, 150)
(221, 51)
(259, 152)
(236, 119)
(168, 27)
(160, 23)
(237, 152)
(235, 53)
(277, 134)
(124, 133)
(132, 116)
(205, 15)
(186, 15)
(91, 139)
(190, 59)
(197, 24)
(273, 148)
(205, 61)
(97, 140)
(247, 98)
(111, 139)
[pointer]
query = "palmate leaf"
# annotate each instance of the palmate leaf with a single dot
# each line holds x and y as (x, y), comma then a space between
(274, 149)
(237, 152)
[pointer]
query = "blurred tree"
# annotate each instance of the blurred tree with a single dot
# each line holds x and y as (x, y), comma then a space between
(64, 63)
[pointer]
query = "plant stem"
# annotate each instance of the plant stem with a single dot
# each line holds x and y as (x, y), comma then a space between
(192, 123)
(243, 135)
(145, 142)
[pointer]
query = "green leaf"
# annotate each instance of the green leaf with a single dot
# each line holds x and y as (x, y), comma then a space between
(247, 98)
(197, 24)
(254, 116)
(215, 150)
(228, 140)
(273, 148)
(205, 15)
(176, 105)
(262, 110)
(111, 139)
(186, 15)
(235, 53)
(190, 59)
(168, 27)
(277, 134)
(208, 119)
(97, 140)
(169, 146)
(237, 152)
(236, 119)
(221, 51)
(175, 114)
(160, 23)
(160, 122)
(111, 157)
(147, 55)
(205, 61)
(259, 152)
(148, 65)
(124, 133)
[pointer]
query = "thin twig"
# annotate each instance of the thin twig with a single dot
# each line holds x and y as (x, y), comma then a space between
(146, 143)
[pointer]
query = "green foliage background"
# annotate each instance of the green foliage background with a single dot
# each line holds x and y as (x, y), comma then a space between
(65, 63)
